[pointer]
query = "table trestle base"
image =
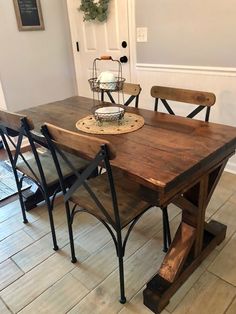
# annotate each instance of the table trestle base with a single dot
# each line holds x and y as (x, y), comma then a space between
(159, 291)
(193, 241)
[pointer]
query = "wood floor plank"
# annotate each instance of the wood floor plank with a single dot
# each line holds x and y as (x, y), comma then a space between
(34, 254)
(83, 254)
(183, 290)
(135, 305)
(41, 227)
(9, 210)
(224, 265)
(3, 308)
(232, 308)
(100, 264)
(228, 180)
(226, 215)
(32, 284)
(14, 243)
(104, 299)
(40, 250)
(180, 294)
(47, 286)
(208, 295)
(220, 196)
(9, 272)
(93, 240)
(59, 298)
(97, 267)
(233, 198)
(11, 225)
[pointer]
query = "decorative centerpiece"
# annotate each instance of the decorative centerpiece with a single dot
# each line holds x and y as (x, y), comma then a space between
(110, 121)
(109, 114)
(108, 118)
(107, 80)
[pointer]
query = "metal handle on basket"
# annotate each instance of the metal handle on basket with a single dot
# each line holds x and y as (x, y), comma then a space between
(106, 58)
(118, 62)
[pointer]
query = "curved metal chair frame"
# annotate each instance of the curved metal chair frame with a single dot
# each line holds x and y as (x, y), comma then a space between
(102, 156)
(8, 131)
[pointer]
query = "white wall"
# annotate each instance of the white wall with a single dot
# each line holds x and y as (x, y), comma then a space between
(187, 32)
(204, 62)
(221, 83)
(36, 66)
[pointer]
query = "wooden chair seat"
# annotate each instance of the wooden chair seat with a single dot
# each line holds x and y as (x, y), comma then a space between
(48, 166)
(128, 199)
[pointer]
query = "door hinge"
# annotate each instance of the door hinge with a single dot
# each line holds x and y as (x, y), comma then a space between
(77, 46)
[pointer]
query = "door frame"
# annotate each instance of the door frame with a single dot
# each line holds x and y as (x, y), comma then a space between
(2, 98)
(132, 41)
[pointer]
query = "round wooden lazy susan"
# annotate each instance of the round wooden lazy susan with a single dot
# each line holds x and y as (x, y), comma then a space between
(131, 122)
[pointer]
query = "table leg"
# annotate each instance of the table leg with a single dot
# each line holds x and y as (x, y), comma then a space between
(193, 242)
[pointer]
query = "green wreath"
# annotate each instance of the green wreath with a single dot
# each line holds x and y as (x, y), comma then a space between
(94, 9)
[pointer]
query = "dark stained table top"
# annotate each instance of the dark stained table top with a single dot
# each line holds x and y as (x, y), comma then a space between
(161, 155)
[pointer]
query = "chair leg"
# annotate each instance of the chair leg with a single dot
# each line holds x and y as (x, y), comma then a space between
(22, 205)
(166, 230)
(122, 282)
(120, 254)
(70, 230)
(51, 221)
(165, 246)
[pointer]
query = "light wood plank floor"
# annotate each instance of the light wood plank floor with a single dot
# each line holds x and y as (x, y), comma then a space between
(35, 279)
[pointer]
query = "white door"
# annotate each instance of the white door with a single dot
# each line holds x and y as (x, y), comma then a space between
(92, 40)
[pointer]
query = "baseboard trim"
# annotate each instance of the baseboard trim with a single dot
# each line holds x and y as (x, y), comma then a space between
(231, 167)
(224, 71)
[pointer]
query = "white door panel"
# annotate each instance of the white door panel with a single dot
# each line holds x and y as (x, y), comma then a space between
(97, 39)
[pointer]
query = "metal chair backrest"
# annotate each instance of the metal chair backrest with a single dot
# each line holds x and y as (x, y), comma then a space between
(98, 151)
(13, 125)
(200, 99)
(133, 90)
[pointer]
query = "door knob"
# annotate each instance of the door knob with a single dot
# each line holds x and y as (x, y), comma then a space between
(123, 59)
(124, 44)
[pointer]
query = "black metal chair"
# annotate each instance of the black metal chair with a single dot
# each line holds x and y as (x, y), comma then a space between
(106, 196)
(203, 100)
(39, 167)
(130, 89)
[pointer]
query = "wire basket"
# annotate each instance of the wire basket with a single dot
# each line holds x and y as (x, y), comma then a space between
(115, 85)
(97, 86)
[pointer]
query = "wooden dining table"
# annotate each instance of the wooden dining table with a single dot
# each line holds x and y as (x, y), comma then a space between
(175, 160)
